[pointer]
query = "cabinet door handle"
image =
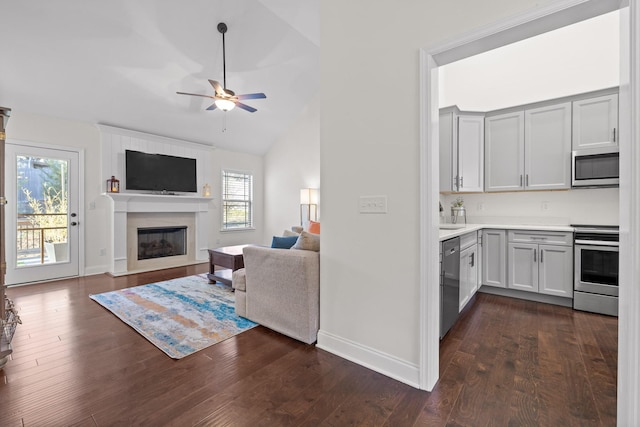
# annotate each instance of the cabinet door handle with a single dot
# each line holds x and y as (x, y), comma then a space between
(614, 134)
(473, 260)
(455, 183)
(534, 255)
(527, 181)
(461, 181)
(541, 256)
(520, 180)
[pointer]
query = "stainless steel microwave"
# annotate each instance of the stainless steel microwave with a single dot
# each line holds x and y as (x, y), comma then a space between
(597, 167)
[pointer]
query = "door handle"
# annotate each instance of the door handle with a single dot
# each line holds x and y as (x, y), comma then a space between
(73, 224)
(461, 181)
(3, 201)
(73, 215)
(527, 181)
(534, 255)
(541, 255)
(520, 180)
(614, 134)
(473, 256)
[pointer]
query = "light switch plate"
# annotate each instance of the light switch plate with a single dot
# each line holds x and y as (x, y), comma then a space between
(373, 204)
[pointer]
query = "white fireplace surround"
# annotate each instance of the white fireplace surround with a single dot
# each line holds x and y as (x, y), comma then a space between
(123, 204)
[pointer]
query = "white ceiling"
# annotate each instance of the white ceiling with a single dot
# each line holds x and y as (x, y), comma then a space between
(121, 62)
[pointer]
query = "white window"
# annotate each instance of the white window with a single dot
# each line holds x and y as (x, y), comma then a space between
(237, 200)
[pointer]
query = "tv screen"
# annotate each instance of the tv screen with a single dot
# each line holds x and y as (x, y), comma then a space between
(159, 172)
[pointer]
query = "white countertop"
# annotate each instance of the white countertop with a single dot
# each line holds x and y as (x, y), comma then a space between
(448, 234)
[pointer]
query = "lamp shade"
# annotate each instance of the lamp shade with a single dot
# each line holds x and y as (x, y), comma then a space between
(309, 196)
(224, 104)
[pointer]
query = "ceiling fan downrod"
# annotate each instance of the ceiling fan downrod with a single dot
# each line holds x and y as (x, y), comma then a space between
(222, 28)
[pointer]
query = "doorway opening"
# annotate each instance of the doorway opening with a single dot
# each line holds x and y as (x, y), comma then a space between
(552, 17)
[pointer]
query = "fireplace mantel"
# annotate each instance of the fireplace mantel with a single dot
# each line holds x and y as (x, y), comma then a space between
(125, 203)
(142, 202)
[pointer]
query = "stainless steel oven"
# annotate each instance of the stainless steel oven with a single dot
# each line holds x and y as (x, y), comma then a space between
(595, 168)
(596, 269)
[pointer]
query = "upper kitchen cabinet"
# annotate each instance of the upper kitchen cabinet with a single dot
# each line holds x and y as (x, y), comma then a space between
(548, 147)
(529, 149)
(595, 122)
(504, 152)
(461, 151)
(448, 150)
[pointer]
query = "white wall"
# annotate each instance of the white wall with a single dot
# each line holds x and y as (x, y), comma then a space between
(579, 58)
(582, 206)
(291, 164)
(369, 145)
(66, 133)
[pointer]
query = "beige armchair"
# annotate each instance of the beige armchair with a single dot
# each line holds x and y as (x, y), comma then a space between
(280, 289)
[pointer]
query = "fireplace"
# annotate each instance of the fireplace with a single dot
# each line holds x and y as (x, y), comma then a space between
(157, 240)
(160, 242)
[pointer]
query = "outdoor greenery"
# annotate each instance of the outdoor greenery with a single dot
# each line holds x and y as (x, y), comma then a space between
(51, 212)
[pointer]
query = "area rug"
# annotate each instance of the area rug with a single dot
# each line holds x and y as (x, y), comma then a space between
(179, 316)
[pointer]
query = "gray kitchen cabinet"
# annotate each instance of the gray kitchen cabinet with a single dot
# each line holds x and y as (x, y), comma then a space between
(504, 152)
(547, 154)
(541, 262)
(468, 268)
(494, 258)
(595, 122)
(555, 271)
(448, 150)
(523, 266)
(461, 151)
(529, 149)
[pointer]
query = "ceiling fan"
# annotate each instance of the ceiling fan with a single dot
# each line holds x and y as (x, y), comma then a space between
(226, 99)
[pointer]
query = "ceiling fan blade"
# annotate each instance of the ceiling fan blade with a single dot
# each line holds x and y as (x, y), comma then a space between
(212, 107)
(245, 107)
(195, 94)
(251, 96)
(217, 87)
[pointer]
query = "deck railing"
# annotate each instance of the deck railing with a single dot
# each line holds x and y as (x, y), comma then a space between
(30, 237)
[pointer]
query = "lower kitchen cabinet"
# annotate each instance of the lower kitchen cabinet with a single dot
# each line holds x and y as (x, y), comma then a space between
(537, 266)
(555, 271)
(494, 258)
(468, 268)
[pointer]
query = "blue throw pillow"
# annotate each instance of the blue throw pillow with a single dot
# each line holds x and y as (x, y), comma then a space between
(283, 242)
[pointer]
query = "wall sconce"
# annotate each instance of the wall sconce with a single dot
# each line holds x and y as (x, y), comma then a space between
(308, 205)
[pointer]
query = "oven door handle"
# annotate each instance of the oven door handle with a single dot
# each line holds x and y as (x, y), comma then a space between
(596, 243)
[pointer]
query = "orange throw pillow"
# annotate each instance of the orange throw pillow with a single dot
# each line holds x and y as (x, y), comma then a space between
(314, 227)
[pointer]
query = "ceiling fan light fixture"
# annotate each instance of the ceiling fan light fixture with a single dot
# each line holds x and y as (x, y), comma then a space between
(225, 104)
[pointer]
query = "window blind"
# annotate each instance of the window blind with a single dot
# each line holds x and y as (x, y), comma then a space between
(237, 200)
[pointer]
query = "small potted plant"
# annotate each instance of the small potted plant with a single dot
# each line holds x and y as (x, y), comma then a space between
(458, 210)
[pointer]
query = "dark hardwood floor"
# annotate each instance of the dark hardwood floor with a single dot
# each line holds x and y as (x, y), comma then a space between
(506, 362)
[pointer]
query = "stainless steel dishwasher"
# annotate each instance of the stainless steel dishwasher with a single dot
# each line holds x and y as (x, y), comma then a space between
(449, 284)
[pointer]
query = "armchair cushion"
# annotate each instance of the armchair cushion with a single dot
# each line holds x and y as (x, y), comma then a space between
(284, 242)
(308, 242)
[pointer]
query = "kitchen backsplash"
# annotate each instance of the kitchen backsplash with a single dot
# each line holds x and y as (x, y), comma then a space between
(580, 206)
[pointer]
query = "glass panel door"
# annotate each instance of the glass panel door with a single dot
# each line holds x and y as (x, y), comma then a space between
(42, 221)
(42, 196)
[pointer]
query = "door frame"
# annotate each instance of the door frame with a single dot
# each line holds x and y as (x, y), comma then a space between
(80, 196)
(556, 15)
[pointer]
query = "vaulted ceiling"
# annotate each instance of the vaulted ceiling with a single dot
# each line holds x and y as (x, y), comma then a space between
(120, 62)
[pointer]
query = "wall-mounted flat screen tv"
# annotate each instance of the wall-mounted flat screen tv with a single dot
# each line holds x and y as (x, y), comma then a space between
(160, 173)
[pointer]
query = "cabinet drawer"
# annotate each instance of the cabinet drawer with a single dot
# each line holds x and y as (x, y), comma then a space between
(468, 239)
(544, 237)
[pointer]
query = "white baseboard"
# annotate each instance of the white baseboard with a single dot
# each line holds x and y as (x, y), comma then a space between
(96, 269)
(383, 363)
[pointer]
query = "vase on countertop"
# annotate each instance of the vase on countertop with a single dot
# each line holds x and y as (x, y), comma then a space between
(458, 212)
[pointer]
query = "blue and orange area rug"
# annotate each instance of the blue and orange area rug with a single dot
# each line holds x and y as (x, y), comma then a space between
(179, 316)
